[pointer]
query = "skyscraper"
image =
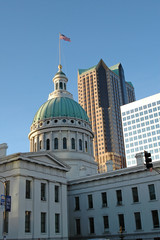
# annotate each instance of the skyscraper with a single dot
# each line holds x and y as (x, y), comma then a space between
(141, 127)
(130, 92)
(101, 92)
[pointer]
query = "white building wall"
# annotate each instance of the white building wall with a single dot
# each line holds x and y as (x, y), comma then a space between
(22, 170)
(123, 180)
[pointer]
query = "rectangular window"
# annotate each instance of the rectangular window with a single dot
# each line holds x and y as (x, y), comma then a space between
(56, 193)
(135, 194)
(155, 219)
(28, 189)
(119, 197)
(152, 193)
(121, 221)
(138, 220)
(104, 199)
(90, 201)
(91, 225)
(105, 222)
(27, 221)
(78, 226)
(43, 222)
(43, 191)
(57, 223)
(77, 206)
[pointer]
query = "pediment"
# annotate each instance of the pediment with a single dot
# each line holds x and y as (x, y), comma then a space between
(45, 158)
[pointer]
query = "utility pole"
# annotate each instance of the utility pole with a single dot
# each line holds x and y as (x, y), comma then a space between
(4, 213)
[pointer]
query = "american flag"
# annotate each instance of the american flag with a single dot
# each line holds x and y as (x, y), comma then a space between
(61, 36)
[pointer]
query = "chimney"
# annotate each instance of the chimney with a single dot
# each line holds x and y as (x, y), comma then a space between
(3, 149)
(109, 164)
(140, 159)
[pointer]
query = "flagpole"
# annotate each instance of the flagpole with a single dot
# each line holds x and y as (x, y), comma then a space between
(59, 51)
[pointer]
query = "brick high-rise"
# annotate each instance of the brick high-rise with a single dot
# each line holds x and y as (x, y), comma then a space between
(101, 92)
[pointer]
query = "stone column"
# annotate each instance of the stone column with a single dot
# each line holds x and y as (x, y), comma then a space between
(77, 142)
(83, 142)
(37, 143)
(51, 141)
(69, 140)
(43, 141)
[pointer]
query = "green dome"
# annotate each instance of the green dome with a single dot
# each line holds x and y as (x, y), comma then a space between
(60, 107)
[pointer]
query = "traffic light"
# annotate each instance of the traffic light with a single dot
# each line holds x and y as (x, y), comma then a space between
(148, 160)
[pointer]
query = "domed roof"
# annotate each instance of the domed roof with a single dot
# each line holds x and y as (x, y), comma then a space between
(60, 107)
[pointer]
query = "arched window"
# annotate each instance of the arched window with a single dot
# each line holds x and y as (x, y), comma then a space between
(40, 144)
(48, 144)
(64, 143)
(57, 86)
(64, 86)
(86, 147)
(61, 85)
(80, 144)
(56, 143)
(73, 143)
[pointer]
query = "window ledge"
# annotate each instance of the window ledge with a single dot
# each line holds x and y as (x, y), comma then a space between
(133, 203)
(119, 205)
(156, 228)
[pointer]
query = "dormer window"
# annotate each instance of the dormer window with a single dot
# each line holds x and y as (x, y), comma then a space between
(61, 85)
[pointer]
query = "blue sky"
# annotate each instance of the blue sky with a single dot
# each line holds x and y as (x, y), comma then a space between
(123, 31)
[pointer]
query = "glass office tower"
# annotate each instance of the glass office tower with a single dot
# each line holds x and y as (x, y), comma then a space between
(141, 128)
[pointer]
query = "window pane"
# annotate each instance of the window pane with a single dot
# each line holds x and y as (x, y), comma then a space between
(78, 227)
(138, 220)
(64, 143)
(73, 143)
(135, 194)
(104, 199)
(27, 221)
(155, 219)
(121, 221)
(152, 193)
(43, 222)
(91, 225)
(48, 144)
(61, 85)
(56, 143)
(57, 223)
(86, 147)
(56, 193)
(77, 203)
(90, 201)
(43, 191)
(105, 222)
(119, 197)
(80, 144)
(28, 189)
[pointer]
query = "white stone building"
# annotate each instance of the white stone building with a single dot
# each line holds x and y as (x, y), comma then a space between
(56, 192)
